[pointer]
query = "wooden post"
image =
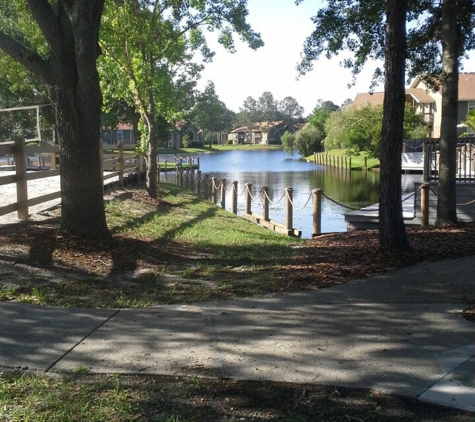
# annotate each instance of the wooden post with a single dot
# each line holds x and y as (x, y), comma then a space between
(265, 203)
(198, 163)
(234, 197)
(365, 163)
(213, 191)
(424, 204)
(317, 212)
(289, 209)
(248, 187)
(223, 194)
(21, 182)
(199, 183)
(121, 164)
(315, 157)
(350, 163)
(177, 177)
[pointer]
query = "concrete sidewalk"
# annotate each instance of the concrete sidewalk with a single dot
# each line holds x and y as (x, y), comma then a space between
(401, 332)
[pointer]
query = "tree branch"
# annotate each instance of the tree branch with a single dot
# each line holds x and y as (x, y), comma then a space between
(46, 20)
(26, 57)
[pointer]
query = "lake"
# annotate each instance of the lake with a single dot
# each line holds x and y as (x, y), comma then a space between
(278, 171)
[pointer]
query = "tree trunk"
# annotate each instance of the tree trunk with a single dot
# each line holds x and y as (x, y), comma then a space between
(78, 99)
(392, 232)
(446, 199)
(71, 29)
(152, 165)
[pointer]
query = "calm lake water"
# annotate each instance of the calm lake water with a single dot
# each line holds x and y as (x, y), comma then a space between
(278, 171)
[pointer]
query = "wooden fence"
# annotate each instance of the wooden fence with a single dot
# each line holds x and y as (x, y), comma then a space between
(331, 160)
(117, 164)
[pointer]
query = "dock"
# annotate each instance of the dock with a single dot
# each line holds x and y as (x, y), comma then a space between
(368, 217)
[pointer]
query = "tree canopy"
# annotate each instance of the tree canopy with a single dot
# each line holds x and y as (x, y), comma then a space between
(153, 68)
(359, 128)
(210, 113)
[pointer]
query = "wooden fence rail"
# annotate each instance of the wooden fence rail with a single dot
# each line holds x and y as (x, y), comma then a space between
(126, 165)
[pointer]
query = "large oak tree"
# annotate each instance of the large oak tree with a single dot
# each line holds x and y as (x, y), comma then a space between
(65, 61)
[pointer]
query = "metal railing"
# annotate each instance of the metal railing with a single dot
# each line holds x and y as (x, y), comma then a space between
(465, 156)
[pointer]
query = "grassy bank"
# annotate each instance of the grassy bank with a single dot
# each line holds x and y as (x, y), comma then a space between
(190, 251)
(217, 148)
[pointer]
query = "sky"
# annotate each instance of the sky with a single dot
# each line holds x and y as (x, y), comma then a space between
(283, 27)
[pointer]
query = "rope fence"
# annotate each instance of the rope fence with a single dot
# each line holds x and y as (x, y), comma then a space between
(216, 189)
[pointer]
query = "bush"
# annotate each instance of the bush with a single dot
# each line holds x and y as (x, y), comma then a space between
(186, 141)
(308, 140)
(288, 142)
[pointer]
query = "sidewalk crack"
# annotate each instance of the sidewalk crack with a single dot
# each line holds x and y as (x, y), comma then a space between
(81, 340)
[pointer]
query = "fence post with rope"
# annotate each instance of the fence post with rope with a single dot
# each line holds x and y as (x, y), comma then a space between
(248, 198)
(214, 199)
(425, 204)
(289, 209)
(265, 203)
(317, 212)
(234, 191)
(223, 193)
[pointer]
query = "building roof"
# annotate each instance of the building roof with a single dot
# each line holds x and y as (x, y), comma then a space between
(466, 86)
(124, 126)
(257, 126)
(420, 95)
(369, 98)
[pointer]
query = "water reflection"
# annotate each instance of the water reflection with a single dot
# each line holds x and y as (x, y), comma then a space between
(278, 171)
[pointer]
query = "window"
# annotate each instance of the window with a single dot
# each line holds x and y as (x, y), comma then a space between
(120, 136)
